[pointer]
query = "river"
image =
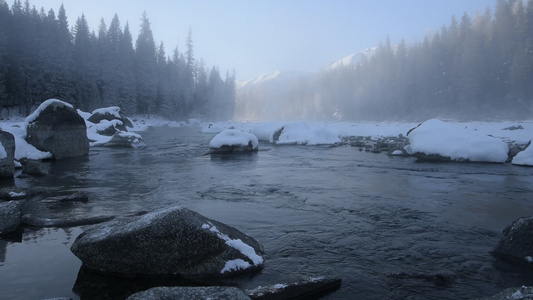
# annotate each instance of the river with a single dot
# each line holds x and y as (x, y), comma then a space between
(391, 227)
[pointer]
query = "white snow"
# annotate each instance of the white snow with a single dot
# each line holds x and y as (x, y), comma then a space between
(435, 137)
(50, 102)
(112, 110)
(238, 244)
(524, 158)
(3, 153)
(232, 137)
(529, 259)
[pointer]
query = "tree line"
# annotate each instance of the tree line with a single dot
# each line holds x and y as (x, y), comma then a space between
(478, 67)
(41, 57)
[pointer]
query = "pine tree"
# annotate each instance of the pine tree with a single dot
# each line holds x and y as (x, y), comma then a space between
(145, 68)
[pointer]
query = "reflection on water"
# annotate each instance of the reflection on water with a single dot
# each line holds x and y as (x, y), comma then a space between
(391, 227)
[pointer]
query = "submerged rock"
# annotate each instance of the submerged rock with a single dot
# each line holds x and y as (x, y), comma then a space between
(303, 289)
(174, 241)
(7, 154)
(123, 139)
(186, 293)
(57, 127)
(33, 167)
(10, 216)
(516, 244)
(37, 221)
(524, 292)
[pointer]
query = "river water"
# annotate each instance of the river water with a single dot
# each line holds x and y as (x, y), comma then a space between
(391, 227)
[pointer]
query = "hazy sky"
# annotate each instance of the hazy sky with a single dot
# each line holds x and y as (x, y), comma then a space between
(260, 36)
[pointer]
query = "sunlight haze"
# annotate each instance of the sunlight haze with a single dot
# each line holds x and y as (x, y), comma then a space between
(257, 37)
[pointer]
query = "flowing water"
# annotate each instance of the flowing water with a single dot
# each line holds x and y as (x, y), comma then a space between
(391, 227)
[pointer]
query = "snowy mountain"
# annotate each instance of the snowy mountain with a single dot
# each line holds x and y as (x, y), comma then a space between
(351, 60)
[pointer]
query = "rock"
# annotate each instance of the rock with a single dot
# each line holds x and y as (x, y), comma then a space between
(524, 292)
(33, 167)
(122, 139)
(186, 293)
(13, 193)
(75, 197)
(10, 216)
(174, 241)
(7, 154)
(303, 289)
(516, 244)
(110, 114)
(57, 127)
(231, 140)
(31, 220)
(514, 127)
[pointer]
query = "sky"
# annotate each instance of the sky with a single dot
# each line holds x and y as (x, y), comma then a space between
(254, 37)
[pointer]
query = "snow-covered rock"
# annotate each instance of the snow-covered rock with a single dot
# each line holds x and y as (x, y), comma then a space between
(10, 216)
(435, 139)
(110, 114)
(174, 241)
(124, 139)
(56, 127)
(516, 244)
(7, 154)
(524, 158)
(303, 134)
(232, 140)
(186, 293)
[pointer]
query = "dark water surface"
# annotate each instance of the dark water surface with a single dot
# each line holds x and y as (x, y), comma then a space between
(391, 227)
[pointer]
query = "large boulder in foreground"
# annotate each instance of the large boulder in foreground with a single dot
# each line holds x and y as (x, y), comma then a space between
(10, 216)
(7, 154)
(231, 140)
(174, 241)
(57, 127)
(186, 293)
(516, 244)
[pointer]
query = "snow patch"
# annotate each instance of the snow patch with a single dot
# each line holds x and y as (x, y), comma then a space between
(238, 244)
(3, 153)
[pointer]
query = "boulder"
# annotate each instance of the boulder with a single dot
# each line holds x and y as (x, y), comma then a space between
(524, 292)
(231, 140)
(33, 167)
(309, 288)
(174, 241)
(57, 127)
(123, 139)
(516, 244)
(7, 154)
(10, 216)
(110, 114)
(186, 293)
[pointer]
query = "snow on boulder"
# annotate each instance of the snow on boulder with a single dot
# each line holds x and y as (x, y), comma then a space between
(232, 140)
(524, 158)
(435, 139)
(56, 127)
(174, 241)
(123, 139)
(7, 154)
(303, 134)
(110, 114)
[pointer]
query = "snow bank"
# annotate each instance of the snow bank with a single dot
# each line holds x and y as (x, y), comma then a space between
(435, 137)
(232, 137)
(55, 103)
(524, 158)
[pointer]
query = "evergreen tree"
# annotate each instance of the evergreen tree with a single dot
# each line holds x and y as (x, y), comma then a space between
(145, 68)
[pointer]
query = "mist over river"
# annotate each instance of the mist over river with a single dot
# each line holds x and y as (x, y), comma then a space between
(392, 227)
